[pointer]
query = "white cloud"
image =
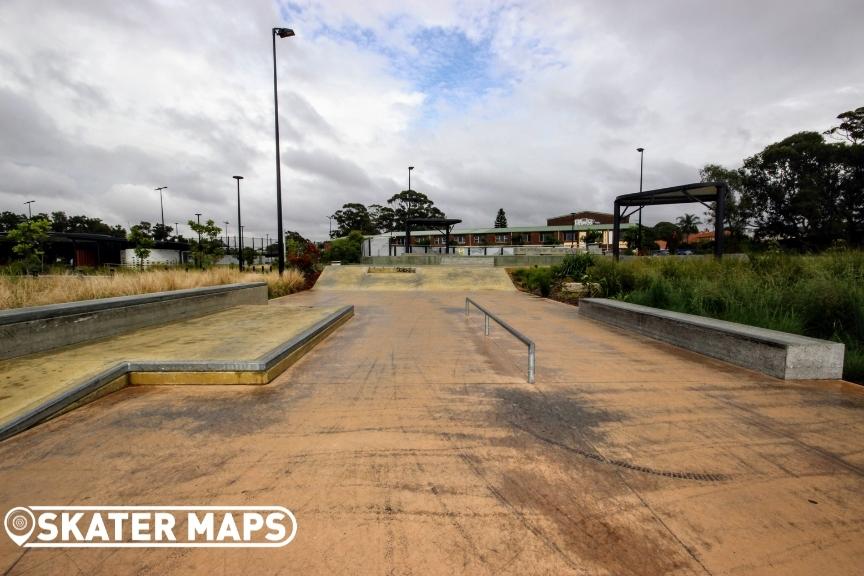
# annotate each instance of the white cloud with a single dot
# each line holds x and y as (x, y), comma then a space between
(100, 102)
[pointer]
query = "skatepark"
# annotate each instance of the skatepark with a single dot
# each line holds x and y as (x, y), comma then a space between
(405, 441)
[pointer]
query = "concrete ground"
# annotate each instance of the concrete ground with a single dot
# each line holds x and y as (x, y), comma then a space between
(233, 334)
(407, 443)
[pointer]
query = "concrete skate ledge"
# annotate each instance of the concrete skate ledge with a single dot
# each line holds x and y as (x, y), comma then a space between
(778, 354)
(260, 371)
(40, 328)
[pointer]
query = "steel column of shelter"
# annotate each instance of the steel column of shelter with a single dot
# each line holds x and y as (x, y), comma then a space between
(701, 192)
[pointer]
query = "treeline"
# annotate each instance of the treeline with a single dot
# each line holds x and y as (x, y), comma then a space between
(60, 222)
(377, 219)
(806, 192)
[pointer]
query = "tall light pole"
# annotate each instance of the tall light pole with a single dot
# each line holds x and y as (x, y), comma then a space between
(639, 235)
(29, 211)
(282, 33)
(239, 223)
(227, 240)
(161, 206)
(410, 168)
(176, 230)
(330, 219)
(573, 232)
(198, 214)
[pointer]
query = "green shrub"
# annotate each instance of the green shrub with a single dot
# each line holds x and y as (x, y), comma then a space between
(574, 266)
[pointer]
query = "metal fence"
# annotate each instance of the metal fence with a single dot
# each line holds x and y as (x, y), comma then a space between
(487, 315)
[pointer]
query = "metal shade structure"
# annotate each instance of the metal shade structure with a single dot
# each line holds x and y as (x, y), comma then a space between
(701, 192)
(443, 225)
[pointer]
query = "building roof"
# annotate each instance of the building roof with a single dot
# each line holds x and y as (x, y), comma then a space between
(508, 230)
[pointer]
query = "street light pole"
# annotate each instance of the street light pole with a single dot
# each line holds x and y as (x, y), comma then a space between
(410, 168)
(227, 239)
(282, 33)
(161, 206)
(239, 223)
(176, 229)
(198, 214)
(573, 232)
(29, 211)
(639, 235)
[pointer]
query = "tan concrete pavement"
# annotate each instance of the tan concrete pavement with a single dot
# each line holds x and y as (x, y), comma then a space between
(407, 443)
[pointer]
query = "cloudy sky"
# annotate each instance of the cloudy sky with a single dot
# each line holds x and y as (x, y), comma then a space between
(536, 107)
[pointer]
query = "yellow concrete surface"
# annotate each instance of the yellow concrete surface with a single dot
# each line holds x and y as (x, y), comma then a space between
(240, 333)
(408, 443)
(428, 278)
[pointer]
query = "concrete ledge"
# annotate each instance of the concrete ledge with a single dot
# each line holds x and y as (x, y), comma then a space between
(40, 328)
(778, 354)
(260, 371)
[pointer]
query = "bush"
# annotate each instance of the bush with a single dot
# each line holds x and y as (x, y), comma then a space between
(536, 280)
(347, 250)
(574, 266)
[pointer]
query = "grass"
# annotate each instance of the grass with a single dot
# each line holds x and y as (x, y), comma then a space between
(21, 291)
(821, 296)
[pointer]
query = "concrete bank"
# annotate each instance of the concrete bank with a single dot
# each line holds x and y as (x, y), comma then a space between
(40, 328)
(778, 354)
(262, 369)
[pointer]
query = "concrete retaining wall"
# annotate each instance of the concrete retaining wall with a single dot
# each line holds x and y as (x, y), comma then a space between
(529, 260)
(40, 328)
(403, 260)
(778, 354)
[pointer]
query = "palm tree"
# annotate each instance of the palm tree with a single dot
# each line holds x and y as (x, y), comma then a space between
(688, 224)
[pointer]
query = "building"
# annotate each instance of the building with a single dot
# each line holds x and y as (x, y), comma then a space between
(489, 241)
(86, 250)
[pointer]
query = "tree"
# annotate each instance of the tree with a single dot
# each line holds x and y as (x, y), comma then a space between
(353, 216)
(738, 206)
(383, 218)
(666, 231)
(592, 236)
(141, 237)
(207, 247)
(410, 204)
(10, 220)
(501, 219)
(162, 233)
(28, 239)
(347, 250)
(851, 129)
(688, 224)
(795, 188)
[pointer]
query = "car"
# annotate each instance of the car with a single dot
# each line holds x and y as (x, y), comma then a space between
(684, 252)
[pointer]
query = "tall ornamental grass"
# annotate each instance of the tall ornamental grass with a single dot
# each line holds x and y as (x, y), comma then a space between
(20, 291)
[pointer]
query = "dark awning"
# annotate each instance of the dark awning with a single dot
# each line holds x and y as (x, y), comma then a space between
(701, 192)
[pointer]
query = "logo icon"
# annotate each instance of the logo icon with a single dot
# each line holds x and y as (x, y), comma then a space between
(19, 523)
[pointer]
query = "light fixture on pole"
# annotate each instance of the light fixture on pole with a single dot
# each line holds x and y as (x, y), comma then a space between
(29, 211)
(410, 168)
(239, 223)
(282, 33)
(161, 206)
(639, 235)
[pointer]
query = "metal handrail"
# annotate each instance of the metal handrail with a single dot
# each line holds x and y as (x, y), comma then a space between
(518, 335)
